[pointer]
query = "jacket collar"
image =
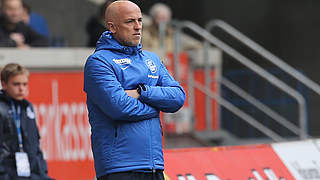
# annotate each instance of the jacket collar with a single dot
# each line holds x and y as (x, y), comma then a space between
(4, 97)
(108, 42)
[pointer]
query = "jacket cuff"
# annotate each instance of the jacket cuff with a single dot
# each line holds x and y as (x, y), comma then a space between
(143, 91)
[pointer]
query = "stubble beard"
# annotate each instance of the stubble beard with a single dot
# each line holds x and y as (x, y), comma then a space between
(130, 43)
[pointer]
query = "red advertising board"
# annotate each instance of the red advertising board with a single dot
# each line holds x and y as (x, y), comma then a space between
(61, 111)
(257, 162)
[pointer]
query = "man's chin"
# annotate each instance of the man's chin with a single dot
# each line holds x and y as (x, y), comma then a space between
(133, 44)
(15, 21)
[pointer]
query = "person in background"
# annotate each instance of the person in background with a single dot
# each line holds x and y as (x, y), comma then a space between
(96, 25)
(161, 14)
(34, 20)
(13, 32)
(126, 89)
(20, 154)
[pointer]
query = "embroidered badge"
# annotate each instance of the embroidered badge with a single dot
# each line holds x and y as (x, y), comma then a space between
(123, 63)
(151, 65)
(30, 113)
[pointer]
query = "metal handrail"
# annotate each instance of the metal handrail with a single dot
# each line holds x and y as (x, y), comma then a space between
(264, 53)
(254, 67)
(249, 119)
(271, 113)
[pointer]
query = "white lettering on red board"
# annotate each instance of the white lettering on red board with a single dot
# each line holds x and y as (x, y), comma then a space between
(64, 129)
(209, 176)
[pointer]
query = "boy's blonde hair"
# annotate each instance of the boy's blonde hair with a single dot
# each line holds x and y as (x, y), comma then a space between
(12, 69)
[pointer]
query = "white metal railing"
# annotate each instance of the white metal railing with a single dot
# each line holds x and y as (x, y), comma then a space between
(271, 113)
(217, 23)
(249, 64)
(249, 119)
(264, 53)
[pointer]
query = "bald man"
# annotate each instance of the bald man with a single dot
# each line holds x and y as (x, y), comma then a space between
(126, 89)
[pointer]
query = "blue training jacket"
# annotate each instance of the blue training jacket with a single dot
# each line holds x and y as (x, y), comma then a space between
(126, 132)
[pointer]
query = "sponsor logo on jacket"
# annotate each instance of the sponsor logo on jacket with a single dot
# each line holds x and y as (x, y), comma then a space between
(123, 63)
(153, 77)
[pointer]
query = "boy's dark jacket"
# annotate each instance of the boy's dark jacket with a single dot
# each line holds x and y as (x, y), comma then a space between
(9, 140)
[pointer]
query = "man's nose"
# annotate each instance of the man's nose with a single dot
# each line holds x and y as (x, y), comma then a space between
(138, 25)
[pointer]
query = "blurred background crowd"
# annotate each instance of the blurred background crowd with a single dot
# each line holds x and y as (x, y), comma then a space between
(229, 101)
(289, 29)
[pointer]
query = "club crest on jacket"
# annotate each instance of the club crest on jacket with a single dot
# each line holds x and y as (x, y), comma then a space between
(151, 65)
(30, 113)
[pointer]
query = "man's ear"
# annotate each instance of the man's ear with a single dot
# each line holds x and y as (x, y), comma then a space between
(111, 27)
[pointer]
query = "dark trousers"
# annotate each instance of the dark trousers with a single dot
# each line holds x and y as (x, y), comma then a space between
(158, 175)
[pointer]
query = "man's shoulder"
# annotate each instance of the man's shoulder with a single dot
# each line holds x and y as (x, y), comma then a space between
(101, 57)
(150, 53)
(101, 54)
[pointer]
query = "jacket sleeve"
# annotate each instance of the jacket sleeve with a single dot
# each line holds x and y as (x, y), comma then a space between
(42, 163)
(167, 96)
(43, 168)
(106, 92)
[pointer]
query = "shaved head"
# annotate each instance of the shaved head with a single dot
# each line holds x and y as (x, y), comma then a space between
(117, 7)
(124, 20)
